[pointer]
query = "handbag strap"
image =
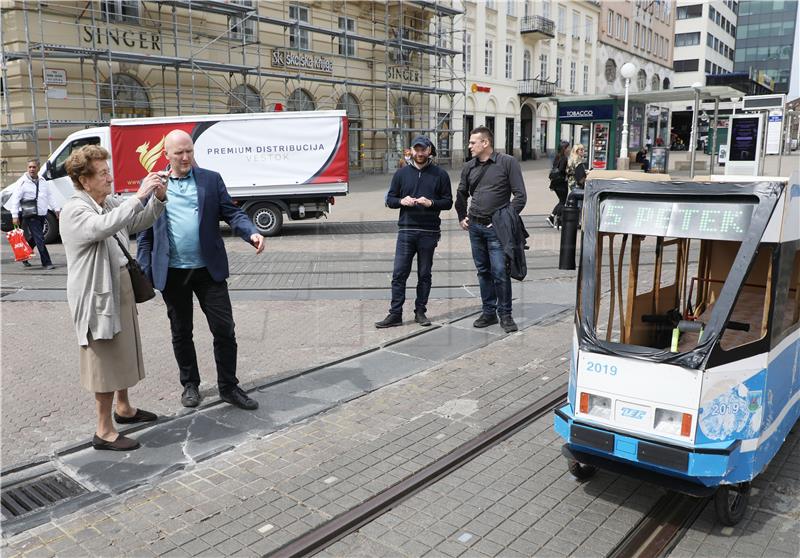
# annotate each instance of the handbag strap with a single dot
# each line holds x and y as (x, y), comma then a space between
(124, 250)
(472, 187)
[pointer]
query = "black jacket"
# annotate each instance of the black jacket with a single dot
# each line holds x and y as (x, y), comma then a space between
(561, 165)
(512, 234)
(431, 182)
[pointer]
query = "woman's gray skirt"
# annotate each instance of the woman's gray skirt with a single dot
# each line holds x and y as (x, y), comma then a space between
(113, 364)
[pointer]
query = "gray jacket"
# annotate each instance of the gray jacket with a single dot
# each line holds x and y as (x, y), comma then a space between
(94, 257)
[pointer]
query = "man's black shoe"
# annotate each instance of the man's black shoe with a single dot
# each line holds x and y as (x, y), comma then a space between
(190, 397)
(485, 320)
(421, 318)
(508, 324)
(26, 263)
(48, 267)
(238, 398)
(391, 320)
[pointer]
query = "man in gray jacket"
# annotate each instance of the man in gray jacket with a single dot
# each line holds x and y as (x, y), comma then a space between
(490, 179)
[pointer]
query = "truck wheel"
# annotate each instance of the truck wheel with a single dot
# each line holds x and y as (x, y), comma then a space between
(50, 228)
(267, 218)
(730, 502)
(581, 471)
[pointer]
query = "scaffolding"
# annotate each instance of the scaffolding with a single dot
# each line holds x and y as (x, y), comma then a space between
(391, 65)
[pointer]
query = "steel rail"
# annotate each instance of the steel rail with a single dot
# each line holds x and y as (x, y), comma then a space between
(349, 521)
(659, 531)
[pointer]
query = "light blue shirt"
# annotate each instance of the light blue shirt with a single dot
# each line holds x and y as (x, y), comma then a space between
(183, 223)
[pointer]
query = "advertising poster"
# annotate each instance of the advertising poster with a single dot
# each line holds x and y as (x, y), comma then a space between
(744, 139)
(774, 125)
(658, 159)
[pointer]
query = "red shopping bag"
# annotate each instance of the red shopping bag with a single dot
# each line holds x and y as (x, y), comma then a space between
(20, 247)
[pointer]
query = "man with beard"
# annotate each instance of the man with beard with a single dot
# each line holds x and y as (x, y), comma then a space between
(420, 191)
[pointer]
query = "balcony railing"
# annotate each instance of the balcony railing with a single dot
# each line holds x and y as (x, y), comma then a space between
(539, 27)
(536, 88)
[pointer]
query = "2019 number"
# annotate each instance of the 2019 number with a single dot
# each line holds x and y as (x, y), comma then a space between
(601, 368)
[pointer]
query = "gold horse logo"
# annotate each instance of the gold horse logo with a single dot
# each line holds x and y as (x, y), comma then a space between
(147, 156)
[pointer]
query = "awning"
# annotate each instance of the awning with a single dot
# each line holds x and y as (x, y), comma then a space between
(707, 92)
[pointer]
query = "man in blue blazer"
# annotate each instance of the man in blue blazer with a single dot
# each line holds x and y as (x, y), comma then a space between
(183, 254)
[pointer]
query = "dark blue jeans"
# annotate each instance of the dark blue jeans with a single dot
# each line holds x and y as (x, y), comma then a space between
(490, 261)
(216, 305)
(34, 229)
(409, 244)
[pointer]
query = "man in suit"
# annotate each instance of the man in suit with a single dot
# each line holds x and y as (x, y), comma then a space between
(184, 254)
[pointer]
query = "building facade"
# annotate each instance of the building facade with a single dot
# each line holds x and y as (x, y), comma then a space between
(517, 55)
(390, 65)
(705, 37)
(765, 39)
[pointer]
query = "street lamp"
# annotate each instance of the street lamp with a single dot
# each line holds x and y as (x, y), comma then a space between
(693, 136)
(628, 70)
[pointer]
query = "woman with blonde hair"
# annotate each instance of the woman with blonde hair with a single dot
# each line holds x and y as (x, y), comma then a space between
(576, 168)
(94, 226)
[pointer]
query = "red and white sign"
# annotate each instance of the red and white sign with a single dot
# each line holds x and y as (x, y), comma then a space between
(262, 150)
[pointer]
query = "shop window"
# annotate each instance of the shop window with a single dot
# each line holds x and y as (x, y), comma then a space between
(244, 98)
(124, 97)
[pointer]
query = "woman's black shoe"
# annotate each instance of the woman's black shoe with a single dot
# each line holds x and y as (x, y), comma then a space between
(140, 416)
(122, 443)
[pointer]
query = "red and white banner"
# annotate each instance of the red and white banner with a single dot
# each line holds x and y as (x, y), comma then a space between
(272, 150)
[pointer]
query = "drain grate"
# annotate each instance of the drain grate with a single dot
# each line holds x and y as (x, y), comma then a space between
(34, 495)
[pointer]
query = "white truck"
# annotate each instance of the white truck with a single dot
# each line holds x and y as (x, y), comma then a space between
(273, 163)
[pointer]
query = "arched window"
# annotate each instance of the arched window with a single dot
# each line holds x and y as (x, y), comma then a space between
(300, 99)
(641, 80)
(666, 83)
(244, 98)
(611, 70)
(349, 103)
(655, 83)
(526, 62)
(122, 96)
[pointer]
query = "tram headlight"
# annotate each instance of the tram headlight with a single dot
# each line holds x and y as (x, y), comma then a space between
(595, 405)
(673, 422)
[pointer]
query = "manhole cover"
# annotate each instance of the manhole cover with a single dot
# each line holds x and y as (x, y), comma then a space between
(36, 494)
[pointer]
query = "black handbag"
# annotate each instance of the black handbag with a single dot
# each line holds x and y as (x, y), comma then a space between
(30, 208)
(142, 287)
(555, 174)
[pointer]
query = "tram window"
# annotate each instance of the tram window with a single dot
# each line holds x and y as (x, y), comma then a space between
(788, 314)
(751, 309)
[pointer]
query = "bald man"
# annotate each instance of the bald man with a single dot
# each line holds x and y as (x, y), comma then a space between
(183, 253)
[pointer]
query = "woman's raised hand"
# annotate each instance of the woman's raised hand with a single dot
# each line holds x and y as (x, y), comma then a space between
(150, 183)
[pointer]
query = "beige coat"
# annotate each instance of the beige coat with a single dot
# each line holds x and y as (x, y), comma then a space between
(93, 258)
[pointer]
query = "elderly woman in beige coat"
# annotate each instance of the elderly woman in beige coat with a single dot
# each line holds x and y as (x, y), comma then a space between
(99, 288)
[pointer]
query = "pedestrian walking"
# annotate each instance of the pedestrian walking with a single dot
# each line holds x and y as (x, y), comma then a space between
(94, 225)
(490, 181)
(558, 183)
(576, 168)
(184, 255)
(32, 197)
(420, 190)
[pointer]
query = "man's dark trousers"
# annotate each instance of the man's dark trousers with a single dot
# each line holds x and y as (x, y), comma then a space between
(33, 228)
(410, 243)
(490, 261)
(216, 305)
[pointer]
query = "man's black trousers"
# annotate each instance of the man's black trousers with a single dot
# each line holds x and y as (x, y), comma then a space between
(216, 305)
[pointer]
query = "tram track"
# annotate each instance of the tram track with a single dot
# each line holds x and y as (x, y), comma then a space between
(657, 533)
(353, 519)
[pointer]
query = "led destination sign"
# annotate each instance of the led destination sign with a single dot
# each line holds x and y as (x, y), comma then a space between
(718, 220)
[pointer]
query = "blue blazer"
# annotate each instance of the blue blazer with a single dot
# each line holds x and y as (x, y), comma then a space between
(214, 204)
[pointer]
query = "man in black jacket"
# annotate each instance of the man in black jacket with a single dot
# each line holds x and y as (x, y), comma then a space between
(490, 179)
(420, 190)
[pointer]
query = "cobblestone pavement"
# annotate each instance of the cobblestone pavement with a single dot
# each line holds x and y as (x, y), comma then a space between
(515, 500)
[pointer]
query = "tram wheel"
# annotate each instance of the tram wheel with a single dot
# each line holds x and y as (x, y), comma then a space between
(730, 502)
(581, 471)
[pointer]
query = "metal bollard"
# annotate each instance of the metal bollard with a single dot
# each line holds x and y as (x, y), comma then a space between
(570, 215)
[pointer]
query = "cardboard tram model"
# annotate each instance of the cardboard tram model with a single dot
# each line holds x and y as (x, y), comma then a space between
(684, 366)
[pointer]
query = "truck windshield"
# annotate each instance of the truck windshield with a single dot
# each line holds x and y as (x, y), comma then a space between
(660, 267)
